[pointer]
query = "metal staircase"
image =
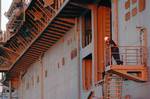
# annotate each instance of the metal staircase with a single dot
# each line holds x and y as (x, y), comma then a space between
(42, 27)
(112, 86)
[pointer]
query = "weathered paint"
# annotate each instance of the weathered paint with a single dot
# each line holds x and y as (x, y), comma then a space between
(62, 78)
(129, 36)
(61, 81)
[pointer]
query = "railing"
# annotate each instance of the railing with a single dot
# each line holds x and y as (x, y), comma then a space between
(87, 38)
(26, 3)
(16, 14)
(54, 4)
(5, 36)
(125, 55)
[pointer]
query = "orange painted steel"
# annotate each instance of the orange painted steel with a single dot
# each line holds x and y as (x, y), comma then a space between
(57, 33)
(36, 42)
(134, 62)
(95, 40)
(112, 86)
(127, 4)
(134, 11)
(142, 5)
(127, 16)
(42, 36)
(116, 20)
(145, 45)
(87, 73)
(48, 2)
(15, 82)
(103, 30)
(135, 73)
(37, 15)
(4, 68)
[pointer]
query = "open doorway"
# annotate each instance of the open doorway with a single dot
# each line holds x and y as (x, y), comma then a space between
(86, 29)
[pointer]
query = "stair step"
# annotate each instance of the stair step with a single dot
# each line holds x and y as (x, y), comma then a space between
(113, 86)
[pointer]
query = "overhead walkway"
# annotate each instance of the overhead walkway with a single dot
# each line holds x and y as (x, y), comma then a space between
(44, 25)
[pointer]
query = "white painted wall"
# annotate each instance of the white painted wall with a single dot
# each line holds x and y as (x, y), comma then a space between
(129, 36)
(60, 83)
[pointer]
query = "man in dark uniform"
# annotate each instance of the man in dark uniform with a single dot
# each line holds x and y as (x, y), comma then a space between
(114, 50)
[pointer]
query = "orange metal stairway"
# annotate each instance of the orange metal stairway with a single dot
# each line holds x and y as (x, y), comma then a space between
(42, 28)
(112, 86)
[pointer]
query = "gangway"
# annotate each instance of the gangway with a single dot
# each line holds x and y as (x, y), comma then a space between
(134, 63)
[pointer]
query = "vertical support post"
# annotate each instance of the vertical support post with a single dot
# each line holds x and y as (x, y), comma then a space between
(21, 84)
(0, 15)
(10, 93)
(77, 30)
(103, 29)
(95, 41)
(24, 15)
(80, 47)
(2, 95)
(116, 21)
(145, 46)
(42, 77)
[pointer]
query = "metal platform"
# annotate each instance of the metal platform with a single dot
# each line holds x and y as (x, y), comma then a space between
(37, 35)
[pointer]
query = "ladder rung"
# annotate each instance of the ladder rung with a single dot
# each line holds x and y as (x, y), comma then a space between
(114, 79)
(115, 90)
(115, 93)
(114, 84)
(113, 87)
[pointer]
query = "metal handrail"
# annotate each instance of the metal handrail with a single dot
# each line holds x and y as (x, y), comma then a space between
(129, 55)
(5, 36)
